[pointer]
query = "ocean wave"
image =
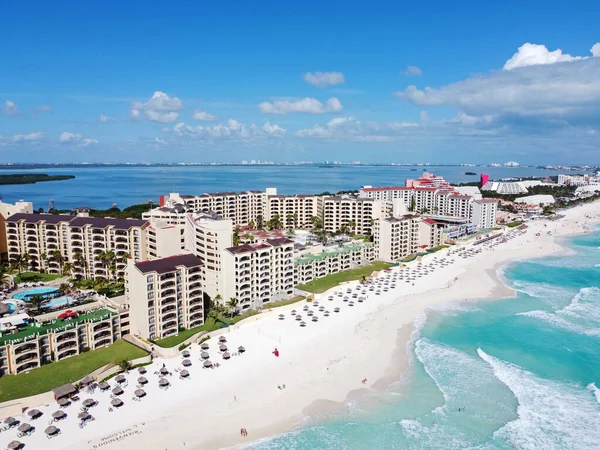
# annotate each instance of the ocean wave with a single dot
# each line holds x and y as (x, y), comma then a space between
(581, 315)
(551, 415)
(453, 307)
(549, 294)
(592, 387)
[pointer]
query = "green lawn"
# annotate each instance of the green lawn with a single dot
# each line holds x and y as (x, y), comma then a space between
(322, 284)
(48, 377)
(35, 277)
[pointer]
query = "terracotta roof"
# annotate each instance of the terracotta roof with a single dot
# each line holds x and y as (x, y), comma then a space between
(279, 241)
(390, 188)
(487, 200)
(429, 221)
(102, 222)
(169, 264)
(35, 218)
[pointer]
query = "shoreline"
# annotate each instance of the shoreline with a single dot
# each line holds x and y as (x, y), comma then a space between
(322, 364)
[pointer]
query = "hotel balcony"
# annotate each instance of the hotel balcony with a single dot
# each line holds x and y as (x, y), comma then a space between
(103, 342)
(67, 353)
(25, 348)
(171, 316)
(27, 366)
(168, 301)
(100, 327)
(66, 336)
(26, 357)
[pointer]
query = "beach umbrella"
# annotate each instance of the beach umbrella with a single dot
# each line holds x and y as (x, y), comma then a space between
(33, 413)
(204, 355)
(139, 393)
(117, 391)
(223, 347)
(298, 317)
(164, 371)
(58, 415)
(142, 370)
(222, 339)
(14, 445)
(24, 427)
(336, 309)
(63, 402)
(186, 363)
(315, 319)
(226, 355)
(281, 317)
(142, 380)
(185, 354)
(293, 313)
(51, 430)
(184, 374)
(120, 379)
(204, 346)
(163, 382)
(103, 386)
(83, 415)
(88, 403)
(10, 420)
(241, 349)
(207, 363)
(116, 402)
(302, 324)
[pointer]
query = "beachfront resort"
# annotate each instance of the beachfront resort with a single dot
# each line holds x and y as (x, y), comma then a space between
(198, 266)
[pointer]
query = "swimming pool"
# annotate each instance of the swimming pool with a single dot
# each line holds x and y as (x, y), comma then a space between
(34, 291)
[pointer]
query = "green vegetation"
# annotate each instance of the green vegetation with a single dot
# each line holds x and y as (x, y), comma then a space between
(322, 284)
(289, 301)
(214, 322)
(130, 212)
(513, 224)
(69, 370)
(35, 277)
(31, 178)
(102, 286)
(437, 249)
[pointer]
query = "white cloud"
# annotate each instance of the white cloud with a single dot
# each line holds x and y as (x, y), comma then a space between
(566, 93)
(203, 116)
(159, 108)
(31, 137)
(534, 54)
(10, 108)
(69, 137)
(306, 105)
(75, 139)
(323, 79)
(43, 109)
(230, 129)
(274, 130)
(350, 129)
(106, 119)
(424, 117)
(160, 141)
(412, 71)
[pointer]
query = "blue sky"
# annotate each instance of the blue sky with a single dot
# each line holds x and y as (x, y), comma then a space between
(427, 81)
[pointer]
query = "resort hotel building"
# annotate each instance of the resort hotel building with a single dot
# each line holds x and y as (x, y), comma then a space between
(7, 210)
(165, 295)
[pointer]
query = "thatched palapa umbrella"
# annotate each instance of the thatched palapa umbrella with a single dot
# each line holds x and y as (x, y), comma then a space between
(185, 354)
(223, 347)
(222, 339)
(103, 386)
(116, 402)
(139, 393)
(204, 346)
(10, 420)
(120, 379)
(204, 355)
(241, 349)
(164, 371)
(117, 391)
(51, 430)
(88, 403)
(14, 445)
(163, 382)
(184, 374)
(34, 413)
(142, 370)
(83, 415)
(226, 355)
(24, 427)
(207, 363)
(63, 402)
(142, 380)
(186, 363)
(58, 415)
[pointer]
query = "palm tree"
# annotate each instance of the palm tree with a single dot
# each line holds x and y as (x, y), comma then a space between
(124, 257)
(251, 224)
(259, 222)
(37, 303)
(64, 288)
(363, 280)
(232, 305)
(124, 365)
(295, 216)
(67, 268)
(57, 255)
(20, 262)
(44, 258)
(5, 279)
(236, 236)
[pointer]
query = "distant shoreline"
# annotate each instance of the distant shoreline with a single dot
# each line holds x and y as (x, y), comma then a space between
(31, 178)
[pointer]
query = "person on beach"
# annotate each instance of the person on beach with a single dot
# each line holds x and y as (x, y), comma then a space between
(364, 381)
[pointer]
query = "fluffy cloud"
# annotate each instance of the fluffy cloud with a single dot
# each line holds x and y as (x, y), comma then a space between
(230, 129)
(350, 129)
(10, 108)
(160, 108)
(528, 94)
(534, 54)
(43, 109)
(75, 139)
(595, 50)
(106, 119)
(31, 137)
(323, 79)
(306, 105)
(203, 116)
(412, 71)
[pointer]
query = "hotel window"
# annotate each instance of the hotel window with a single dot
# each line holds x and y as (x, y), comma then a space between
(149, 278)
(150, 295)
(149, 287)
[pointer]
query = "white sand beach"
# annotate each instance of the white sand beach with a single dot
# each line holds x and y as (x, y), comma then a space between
(320, 364)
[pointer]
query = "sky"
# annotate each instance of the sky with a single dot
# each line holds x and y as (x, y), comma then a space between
(428, 81)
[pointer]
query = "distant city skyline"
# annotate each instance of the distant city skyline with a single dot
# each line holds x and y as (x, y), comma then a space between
(308, 82)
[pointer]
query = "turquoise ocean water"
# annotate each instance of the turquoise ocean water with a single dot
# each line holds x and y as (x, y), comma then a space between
(522, 371)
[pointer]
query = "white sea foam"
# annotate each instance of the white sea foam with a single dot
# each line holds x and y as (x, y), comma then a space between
(551, 415)
(592, 387)
(552, 295)
(581, 315)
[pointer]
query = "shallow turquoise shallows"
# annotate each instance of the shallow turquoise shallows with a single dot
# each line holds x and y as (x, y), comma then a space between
(516, 373)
